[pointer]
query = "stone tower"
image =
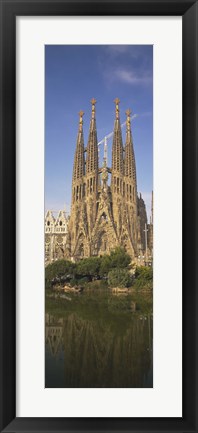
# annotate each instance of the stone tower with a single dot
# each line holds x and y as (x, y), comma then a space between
(130, 185)
(78, 222)
(117, 171)
(92, 171)
(104, 215)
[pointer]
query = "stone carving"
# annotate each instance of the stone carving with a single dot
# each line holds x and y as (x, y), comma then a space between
(103, 215)
(106, 205)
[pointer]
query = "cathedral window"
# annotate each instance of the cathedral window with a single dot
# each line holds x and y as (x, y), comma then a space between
(60, 223)
(104, 217)
(48, 223)
(118, 186)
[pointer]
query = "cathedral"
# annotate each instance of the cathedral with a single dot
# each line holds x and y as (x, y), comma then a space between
(56, 235)
(106, 210)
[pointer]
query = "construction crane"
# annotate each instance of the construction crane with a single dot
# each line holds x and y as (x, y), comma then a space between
(106, 138)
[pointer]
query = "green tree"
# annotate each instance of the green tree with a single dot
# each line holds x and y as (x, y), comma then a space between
(119, 278)
(118, 258)
(89, 266)
(143, 277)
(105, 265)
(58, 270)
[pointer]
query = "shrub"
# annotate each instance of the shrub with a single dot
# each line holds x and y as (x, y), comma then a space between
(119, 278)
(118, 258)
(143, 278)
(73, 282)
(105, 266)
(82, 281)
(61, 270)
(97, 285)
(89, 266)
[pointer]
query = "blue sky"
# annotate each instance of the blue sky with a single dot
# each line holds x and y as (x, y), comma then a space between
(74, 74)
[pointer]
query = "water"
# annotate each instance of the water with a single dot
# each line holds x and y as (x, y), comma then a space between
(96, 340)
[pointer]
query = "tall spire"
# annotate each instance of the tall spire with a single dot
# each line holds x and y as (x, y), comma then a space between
(92, 170)
(152, 208)
(129, 161)
(92, 146)
(79, 160)
(117, 101)
(117, 147)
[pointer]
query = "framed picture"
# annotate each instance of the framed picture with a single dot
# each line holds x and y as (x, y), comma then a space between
(98, 216)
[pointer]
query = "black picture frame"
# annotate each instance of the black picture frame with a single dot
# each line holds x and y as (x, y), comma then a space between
(188, 9)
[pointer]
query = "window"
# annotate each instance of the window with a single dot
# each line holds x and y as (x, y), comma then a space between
(118, 186)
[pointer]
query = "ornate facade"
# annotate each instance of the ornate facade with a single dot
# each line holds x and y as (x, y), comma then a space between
(56, 232)
(106, 211)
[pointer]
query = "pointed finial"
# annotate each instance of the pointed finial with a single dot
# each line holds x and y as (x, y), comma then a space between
(128, 112)
(117, 101)
(128, 121)
(93, 103)
(81, 113)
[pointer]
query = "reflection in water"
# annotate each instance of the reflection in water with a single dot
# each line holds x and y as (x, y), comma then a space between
(107, 351)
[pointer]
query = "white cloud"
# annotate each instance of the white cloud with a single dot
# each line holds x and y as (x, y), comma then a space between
(131, 77)
(132, 51)
(117, 49)
(146, 114)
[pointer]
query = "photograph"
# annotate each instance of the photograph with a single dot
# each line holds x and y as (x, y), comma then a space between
(99, 212)
(99, 218)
